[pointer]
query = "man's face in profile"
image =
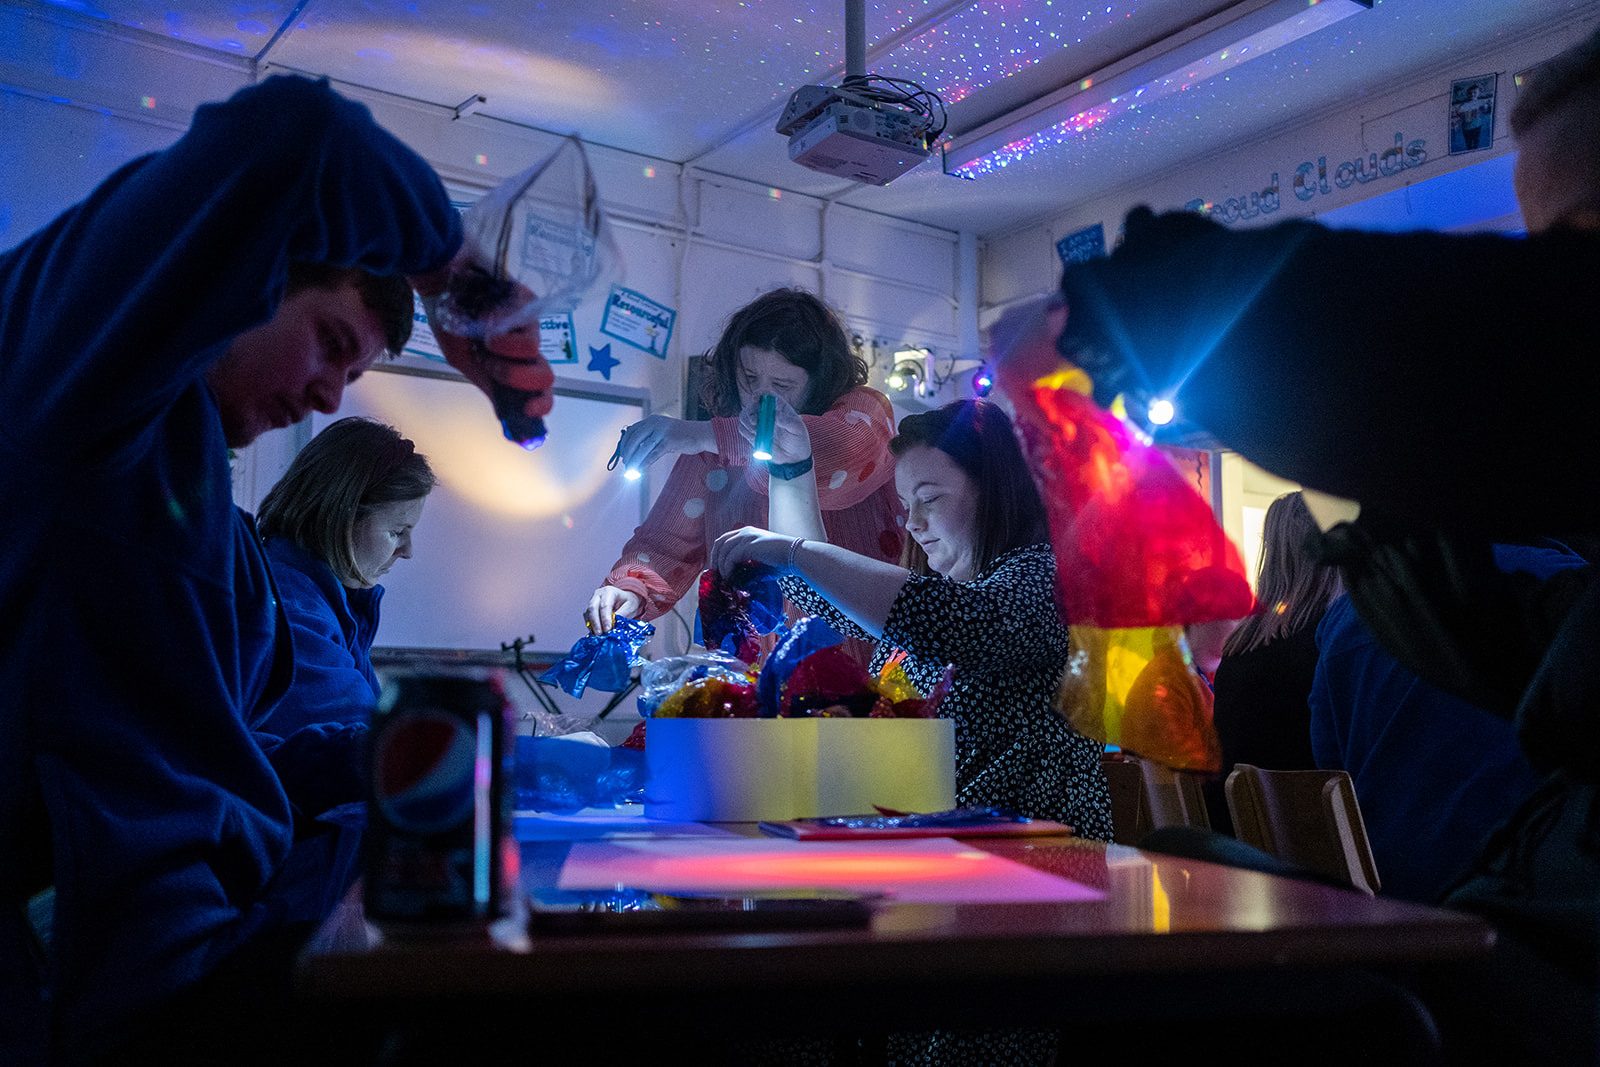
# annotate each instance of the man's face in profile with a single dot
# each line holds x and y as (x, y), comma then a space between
(297, 362)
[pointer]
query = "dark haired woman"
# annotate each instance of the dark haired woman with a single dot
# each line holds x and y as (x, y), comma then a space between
(339, 518)
(973, 589)
(787, 343)
(1263, 682)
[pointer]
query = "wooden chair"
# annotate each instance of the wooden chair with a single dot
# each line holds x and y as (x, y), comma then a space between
(1172, 798)
(1309, 818)
(1146, 796)
(1129, 822)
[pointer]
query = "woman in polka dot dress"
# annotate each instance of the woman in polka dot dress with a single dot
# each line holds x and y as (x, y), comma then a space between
(790, 344)
(974, 589)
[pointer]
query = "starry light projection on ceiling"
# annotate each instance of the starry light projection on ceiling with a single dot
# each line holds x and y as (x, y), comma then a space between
(1140, 91)
(696, 81)
(995, 39)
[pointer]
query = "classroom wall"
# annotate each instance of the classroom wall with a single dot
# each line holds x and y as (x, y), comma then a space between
(1021, 264)
(78, 98)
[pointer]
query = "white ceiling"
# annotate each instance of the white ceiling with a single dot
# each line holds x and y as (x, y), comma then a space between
(701, 81)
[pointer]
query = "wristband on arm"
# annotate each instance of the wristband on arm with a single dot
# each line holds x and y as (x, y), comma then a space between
(789, 471)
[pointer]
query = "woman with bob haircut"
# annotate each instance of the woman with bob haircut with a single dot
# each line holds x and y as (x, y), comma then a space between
(789, 344)
(339, 518)
(973, 590)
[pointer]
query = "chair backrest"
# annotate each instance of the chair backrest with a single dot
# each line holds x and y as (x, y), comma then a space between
(1129, 821)
(1172, 798)
(1309, 818)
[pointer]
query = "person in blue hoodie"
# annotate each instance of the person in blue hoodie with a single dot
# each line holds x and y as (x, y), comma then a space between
(1433, 773)
(338, 519)
(232, 282)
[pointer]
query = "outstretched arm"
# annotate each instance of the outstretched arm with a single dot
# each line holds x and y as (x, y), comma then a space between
(849, 447)
(862, 588)
(1351, 363)
(126, 298)
(667, 550)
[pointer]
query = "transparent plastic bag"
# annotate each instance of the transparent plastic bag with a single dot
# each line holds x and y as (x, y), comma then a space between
(540, 236)
(663, 677)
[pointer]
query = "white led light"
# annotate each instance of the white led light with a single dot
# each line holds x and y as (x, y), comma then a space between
(632, 474)
(1161, 411)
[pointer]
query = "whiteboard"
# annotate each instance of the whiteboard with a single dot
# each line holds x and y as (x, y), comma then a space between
(511, 543)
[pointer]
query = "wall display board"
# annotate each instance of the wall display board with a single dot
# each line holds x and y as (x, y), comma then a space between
(511, 543)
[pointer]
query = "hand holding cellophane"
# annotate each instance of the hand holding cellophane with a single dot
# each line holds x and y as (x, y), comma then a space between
(534, 246)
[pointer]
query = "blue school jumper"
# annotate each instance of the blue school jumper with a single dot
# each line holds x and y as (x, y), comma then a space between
(333, 628)
(141, 642)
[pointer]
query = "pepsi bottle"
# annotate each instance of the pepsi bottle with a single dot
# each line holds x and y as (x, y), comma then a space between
(439, 850)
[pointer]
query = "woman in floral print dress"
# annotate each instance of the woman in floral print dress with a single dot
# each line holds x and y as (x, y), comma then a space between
(973, 590)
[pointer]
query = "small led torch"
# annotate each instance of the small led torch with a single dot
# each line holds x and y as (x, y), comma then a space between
(631, 474)
(766, 422)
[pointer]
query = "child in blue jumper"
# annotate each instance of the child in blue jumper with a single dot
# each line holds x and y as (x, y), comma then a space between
(338, 519)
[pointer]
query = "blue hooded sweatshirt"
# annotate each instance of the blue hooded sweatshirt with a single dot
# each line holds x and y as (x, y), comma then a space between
(141, 641)
(333, 628)
(1433, 774)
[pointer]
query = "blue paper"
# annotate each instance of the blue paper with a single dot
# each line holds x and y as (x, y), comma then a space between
(605, 661)
(554, 774)
(955, 818)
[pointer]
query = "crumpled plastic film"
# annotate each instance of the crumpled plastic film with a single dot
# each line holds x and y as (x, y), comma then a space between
(604, 661)
(663, 677)
(1139, 554)
(830, 682)
(735, 612)
(1135, 544)
(568, 774)
(807, 636)
(711, 698)
(1136, 687)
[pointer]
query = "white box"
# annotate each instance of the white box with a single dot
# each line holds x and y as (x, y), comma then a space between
(748, 770)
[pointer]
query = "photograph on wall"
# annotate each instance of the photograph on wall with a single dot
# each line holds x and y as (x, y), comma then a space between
(1472, 113)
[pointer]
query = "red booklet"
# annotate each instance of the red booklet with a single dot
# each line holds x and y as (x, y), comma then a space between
(866, 827)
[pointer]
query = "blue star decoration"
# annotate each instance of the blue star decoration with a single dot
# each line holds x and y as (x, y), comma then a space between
(600, 359)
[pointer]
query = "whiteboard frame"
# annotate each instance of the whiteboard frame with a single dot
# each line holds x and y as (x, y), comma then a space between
(424, 367)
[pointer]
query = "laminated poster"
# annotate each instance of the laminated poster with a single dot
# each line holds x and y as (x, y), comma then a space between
(636, 320)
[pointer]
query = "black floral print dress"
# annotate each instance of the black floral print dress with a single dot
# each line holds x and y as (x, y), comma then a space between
(1001, 632)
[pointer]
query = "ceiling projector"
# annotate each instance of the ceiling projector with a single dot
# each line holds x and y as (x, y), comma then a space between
(855, 132)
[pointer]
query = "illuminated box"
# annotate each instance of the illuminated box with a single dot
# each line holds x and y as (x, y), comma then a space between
(748, 770)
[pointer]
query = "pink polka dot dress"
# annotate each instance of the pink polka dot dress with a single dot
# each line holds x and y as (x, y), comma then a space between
(707, 494)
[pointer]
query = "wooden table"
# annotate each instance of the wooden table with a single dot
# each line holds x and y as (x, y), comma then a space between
(1171, 939)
